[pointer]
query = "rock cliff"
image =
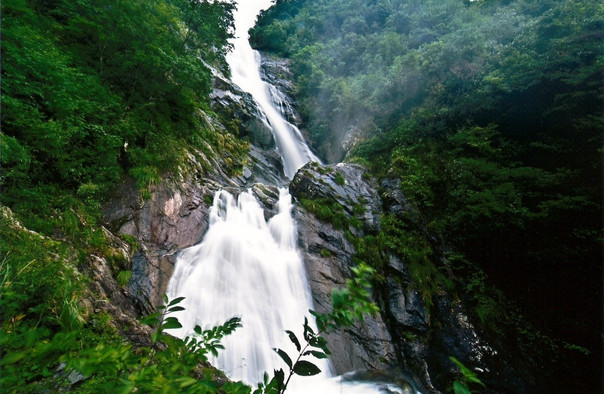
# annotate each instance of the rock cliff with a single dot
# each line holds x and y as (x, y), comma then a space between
(406, 337)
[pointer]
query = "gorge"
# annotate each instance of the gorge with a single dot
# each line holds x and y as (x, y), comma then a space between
(149, 154)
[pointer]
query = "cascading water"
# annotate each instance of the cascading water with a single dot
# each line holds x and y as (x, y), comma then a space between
(244, 63)
(248, 267)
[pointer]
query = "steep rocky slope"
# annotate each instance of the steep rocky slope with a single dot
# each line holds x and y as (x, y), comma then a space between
(407, 336)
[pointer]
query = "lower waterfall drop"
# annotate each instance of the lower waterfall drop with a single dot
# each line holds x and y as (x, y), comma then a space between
(247, 268)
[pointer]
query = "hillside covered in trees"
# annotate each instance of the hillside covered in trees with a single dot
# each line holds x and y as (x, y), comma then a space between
(488, 112)
(94, 92)
(491, 114)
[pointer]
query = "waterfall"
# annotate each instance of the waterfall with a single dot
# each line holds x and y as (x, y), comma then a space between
(248, 267)
(244, 63)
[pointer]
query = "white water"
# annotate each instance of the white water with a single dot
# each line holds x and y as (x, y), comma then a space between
(245, 73)
(248, 267)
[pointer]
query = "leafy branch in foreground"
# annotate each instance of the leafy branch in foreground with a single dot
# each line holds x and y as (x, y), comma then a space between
(349, 304)
(170, 364)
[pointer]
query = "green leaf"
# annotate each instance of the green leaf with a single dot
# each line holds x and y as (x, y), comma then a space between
(175, 301)
(284, 357)
(171, 323)
(186, 382)
(475, 379)
(316, 354)
(125, 386)
(460, 388)
(306, 368)
(308, 328)
(276, 382)
(294, 339)
(12, 358)
(176, 309)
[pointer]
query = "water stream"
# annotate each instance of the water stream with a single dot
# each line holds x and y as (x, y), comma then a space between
(248, 267)
(244, 63)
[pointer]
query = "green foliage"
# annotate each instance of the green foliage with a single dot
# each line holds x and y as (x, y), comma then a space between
(328, 211)
(38, 282)
(92, 91)
(326, 253)
(170, 364)
(123, 278)
(350, 303)
(469, 377)
(413, 247)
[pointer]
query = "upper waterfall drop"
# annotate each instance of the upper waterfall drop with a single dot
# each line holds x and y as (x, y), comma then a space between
(244, 63)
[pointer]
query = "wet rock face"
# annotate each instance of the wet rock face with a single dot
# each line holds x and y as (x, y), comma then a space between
(235, 105)
(175, 217)
(343, 183)
(277, 73)
(328, 257)
(107, 296)
(238, 110)
(406, 336)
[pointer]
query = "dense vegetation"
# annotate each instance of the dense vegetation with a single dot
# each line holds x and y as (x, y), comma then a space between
(93, 91)
(490, 113)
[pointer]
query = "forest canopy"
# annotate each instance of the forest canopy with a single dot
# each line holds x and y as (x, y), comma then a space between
(92, 90)
(491, 115)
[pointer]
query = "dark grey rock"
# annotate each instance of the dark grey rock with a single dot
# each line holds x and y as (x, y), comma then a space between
(328, 257)
(407, 334)
(406, 308)
(344, 183)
